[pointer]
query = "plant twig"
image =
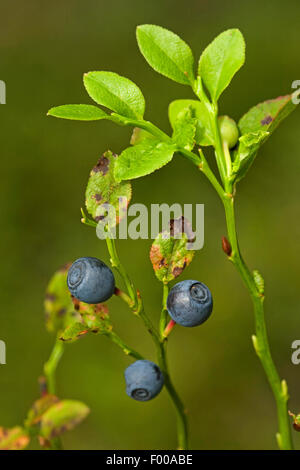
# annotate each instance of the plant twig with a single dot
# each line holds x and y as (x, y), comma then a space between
(51, 365)
(138, 309)
(125, 348)
(50, 370)
(182, 426)
(260, 341)
(164, 312)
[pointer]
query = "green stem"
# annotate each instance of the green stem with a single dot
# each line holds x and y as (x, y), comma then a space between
(212, 110)
(49, 370)
(116, 263)
(164, 312)
(205, 168)
(182, 427)
(138, 309)
(261, 343)
(125, 348)
(51, 365)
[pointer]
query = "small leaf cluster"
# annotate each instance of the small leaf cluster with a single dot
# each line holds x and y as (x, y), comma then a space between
(194, 122)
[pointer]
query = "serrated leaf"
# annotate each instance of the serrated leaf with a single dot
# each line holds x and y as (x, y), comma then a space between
(13, 439)
(59, 310)
(166, 52)
(102, 187)
(169, 255)
(203, 134)
(185, 129)
(39, 407)
(143, 159)
(78, 112)
(116, 93)
(219, 62)
(266, 116)
(62, 417)
(94, 318)
(246, 152)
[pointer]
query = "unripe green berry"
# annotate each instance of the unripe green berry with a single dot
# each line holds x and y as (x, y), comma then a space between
(229, 131)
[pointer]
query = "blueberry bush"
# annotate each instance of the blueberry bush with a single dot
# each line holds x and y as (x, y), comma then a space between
(75, 294)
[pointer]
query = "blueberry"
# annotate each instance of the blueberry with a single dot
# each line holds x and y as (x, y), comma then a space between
(144, 380)
(189, 303)
(90, 280)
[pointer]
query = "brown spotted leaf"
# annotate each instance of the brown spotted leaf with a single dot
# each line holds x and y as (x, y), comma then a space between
(62, 417)
(92, 318)
(59, 310)
(13, 439)
(39, 407)
(266, 116)
(102, 188)
(169, 255)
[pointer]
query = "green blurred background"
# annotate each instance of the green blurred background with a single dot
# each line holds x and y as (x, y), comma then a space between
(45, 48)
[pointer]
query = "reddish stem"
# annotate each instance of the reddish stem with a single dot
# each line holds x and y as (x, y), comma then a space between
(169, 328)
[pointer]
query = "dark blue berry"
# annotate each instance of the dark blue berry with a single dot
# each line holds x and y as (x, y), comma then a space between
(189, 303)
(90, 280)
(144, 380)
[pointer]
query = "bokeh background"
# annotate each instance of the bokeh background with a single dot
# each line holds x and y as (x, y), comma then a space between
(45, 48)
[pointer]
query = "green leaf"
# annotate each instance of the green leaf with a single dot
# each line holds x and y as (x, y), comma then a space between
(185, 129)
(138, 135)
(103, 188)
(246, 152)
(78, 112)
(116, 93)
(267, 116)
(39, 407)
(61, 417)
(166, 52)
(74, 331)
(143, 159)
(59, 310)
(219, 62)
(13, 439)
(170, 255)
(203, 134)
(93, 318)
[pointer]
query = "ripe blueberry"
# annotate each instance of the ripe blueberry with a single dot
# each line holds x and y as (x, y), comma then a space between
(90, 280)
(144, 380)
(189, 303)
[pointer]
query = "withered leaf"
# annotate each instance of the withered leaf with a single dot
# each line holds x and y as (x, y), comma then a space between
(13, 439)
(170, 255)
(61, 417)
(59, 310)
(102, 188)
